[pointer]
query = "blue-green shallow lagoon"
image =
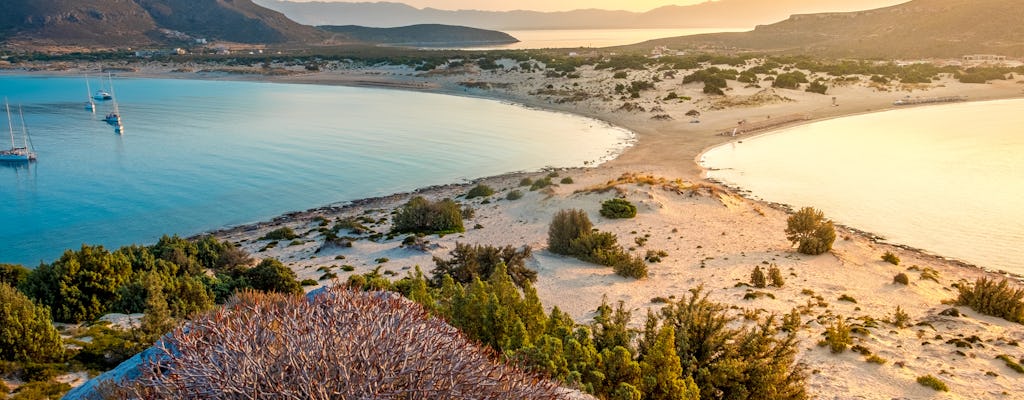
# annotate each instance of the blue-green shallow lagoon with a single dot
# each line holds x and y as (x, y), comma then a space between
(202, 155)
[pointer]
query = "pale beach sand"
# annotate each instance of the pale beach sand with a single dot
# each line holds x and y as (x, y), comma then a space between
(713, 236)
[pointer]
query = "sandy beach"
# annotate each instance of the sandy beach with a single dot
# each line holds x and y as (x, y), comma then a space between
(713, 236)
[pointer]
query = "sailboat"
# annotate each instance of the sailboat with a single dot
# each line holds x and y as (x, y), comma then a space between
(17, 154)
(89, 106)
(102, 95)
(114, 117)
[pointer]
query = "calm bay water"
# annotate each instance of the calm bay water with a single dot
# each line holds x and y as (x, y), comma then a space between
(201, 155)
(948, 179)
(572, 38)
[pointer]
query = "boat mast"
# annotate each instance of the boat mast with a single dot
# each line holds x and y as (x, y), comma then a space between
(24, 129)
(113, 95)
(88, 92)
(10, 124)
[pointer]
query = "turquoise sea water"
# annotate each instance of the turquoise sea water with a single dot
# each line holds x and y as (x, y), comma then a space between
(202, 155)
(948, 179)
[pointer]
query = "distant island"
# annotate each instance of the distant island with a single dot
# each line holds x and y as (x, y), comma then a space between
(423, 35)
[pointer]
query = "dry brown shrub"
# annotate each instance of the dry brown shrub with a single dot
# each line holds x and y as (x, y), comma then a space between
(343, 344)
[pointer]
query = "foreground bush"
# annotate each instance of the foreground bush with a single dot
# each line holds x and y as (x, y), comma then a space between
(342, 344)
(26, 333)
(809, 229)
(420, 215)
(618, 208)
(995, 299)
(81, 285)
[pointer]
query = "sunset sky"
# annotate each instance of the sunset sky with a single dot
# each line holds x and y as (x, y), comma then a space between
(562, 5)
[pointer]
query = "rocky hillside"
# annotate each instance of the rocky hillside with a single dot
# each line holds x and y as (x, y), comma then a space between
(919, 28)
(111, 23)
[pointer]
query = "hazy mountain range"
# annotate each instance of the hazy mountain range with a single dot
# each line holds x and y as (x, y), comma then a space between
(716, 14)
(920, 28)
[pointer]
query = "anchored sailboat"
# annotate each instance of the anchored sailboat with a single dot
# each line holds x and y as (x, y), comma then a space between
(17, 154)
(89, 105)
(114, 117)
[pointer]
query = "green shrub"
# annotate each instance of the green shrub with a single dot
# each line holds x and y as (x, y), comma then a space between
(837, 336)
(541, 183)
(791, 322)
(1010, 363)
(775, 276)
(26, 332)
(328, 275)
(618, 208)
(283, 233)
(41, 391)
(525, 182)
(514, 195)
(818, 87)
(930, 274)
(995, 299)
(901, 278)
(309, 282)
(875, 359)
(809, 229)
(469, 262)
(566, 226)
(381, 260)
(655, 256)
(479, 191)
(932, 382)
(272, 276)
(596, 247)
(900, 318)
(13, 274)
(619, 75)
(348, 268)
(81, 285)
(420, 215)
(757, 278)
(846, 297)
(567, 181)
(891, 258)
(631, 267)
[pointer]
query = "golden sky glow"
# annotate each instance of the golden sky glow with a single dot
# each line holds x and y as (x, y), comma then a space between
(563, 5)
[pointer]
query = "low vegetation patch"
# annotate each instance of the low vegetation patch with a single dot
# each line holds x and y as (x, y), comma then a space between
(420, 215)
(996, 299)
(810, 231)
(284, 233)
(514, 195)
(618, 208)
(901, 278)
(932, 382)
(837, 336)
(891, 258)
(1010, 363)
(480, 191)
(570, 233)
